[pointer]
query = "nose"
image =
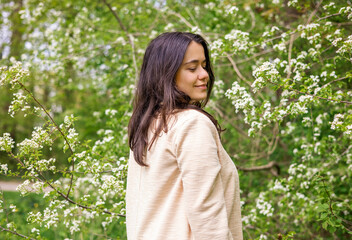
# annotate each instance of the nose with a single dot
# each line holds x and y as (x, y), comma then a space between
(203, 75)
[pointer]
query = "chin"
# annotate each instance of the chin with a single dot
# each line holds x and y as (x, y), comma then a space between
(197, 99)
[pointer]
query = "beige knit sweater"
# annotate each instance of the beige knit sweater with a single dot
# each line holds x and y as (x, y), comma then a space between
(189, 191)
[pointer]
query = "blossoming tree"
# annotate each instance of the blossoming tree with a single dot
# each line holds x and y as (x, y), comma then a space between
(283, 91)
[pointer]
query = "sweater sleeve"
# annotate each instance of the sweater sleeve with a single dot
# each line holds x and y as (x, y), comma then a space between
(197, 156)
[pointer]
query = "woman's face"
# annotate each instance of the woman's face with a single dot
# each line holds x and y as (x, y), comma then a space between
(191, 77)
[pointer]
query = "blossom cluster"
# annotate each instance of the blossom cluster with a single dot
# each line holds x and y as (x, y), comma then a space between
(338, 121)
(267, 72)
(289, 78)
(6, 142)
(14, 74)
(345, 46)
(3, 169)
(263, 206)
(241, 99)
(19, 102)
(238, 40)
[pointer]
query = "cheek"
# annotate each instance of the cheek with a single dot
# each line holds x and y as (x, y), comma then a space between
(182, 80)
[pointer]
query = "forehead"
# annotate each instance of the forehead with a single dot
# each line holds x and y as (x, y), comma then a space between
(195, 51)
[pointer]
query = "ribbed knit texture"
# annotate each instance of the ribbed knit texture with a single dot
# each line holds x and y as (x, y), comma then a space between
(189, 191)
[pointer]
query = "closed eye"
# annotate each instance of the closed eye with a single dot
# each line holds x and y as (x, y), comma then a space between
(192, 69)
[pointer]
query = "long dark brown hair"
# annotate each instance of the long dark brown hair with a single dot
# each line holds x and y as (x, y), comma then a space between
(156, 92)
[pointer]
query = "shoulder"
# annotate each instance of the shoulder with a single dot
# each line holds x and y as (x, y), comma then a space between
(191, 114)
(193, 119)
(195, 128)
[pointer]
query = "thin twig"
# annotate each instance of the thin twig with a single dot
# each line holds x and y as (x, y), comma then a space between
(181, 18)
(255, 55)
(130, 36)
(342, 24)
(332, 15)
(273, 144)
(239, 74)
(314, 12)
(191, 16)
(315, 96)
(59, 192)
(292, 38)
(4, 205)
(251, 13)
(336, 80)
(347, 150)
(331, 210)
(217, 109)
(57, 127)
(16, 233)
(274, 38)
(70, 200)
(47, 113)
(116, 16)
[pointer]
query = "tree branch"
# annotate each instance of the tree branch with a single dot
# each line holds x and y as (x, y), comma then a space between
(116, 17)
(130, 37)
(56, 190)
(47, 113)
(336, 80)
(255, 55)
(251, 13)
(270, 166)
(4, 205)
(314, 12)
(274, 38)
(239, 74)
(273, 143)
(331, 210)
(217, 109)
(15, 233)
(332, 15)
(292, 38)
(315, 96)
(56, 126)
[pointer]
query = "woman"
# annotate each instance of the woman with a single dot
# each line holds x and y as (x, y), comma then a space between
(181, 183)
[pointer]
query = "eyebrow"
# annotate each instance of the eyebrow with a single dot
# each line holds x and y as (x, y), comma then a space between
(194, 61)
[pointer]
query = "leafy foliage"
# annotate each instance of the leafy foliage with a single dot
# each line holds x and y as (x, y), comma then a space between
(283, 92)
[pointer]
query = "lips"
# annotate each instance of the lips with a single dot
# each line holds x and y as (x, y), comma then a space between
(203, 86)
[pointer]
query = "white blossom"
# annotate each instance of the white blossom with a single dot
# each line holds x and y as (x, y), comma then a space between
(19, 102)
(110, 112)
(24, 187)
(338, 120)
(263, 237)
(230, 10)
(35, 230)
(240, 97)
(13, 208)
(279, 187)
(75, 226)
(28, 144)
(239, 40)
(6, 142)
(3, 169)
(263, 206)
(50, 218)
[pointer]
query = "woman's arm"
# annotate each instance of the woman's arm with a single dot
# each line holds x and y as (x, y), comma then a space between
(197, 156)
